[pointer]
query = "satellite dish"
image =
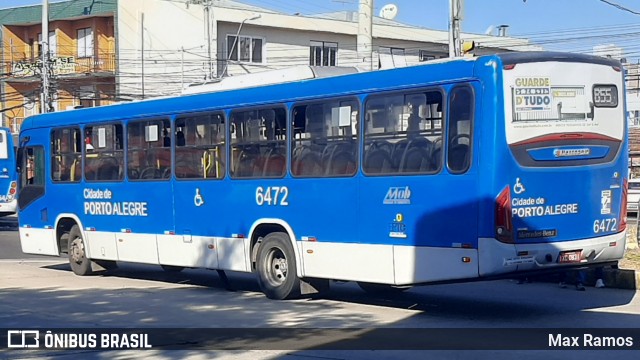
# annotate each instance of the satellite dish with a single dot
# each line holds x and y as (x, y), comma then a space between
(389, 11)
(490, 30)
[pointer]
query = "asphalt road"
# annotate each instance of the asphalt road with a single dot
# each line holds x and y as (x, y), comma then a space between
(42, 292)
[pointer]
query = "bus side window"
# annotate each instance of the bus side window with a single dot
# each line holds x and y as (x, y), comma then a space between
(66, 154)
(402, 135)
(200, 147)
(258, 143)
(460, 124)
(326, 141)
(105, 160)
(148, 157)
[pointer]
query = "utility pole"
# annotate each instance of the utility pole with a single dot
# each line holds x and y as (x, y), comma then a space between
(142, 50)
(207, 4)
(455, 16)
(365, 34)
(46, 96)
(207, 13)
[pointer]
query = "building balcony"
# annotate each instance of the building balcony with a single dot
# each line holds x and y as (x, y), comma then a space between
(62, 67)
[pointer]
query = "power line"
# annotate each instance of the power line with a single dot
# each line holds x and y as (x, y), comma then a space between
(620, 7)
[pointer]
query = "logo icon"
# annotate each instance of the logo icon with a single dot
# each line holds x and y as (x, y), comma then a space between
(198, 200)
(23, 339)
(398, 195)
(518, 188)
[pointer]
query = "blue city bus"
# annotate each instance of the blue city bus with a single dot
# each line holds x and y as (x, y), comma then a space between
(8, 174)
(454, 170)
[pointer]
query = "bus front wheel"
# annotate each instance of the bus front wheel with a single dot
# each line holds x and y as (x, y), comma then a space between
(77, 255)
(276, 265)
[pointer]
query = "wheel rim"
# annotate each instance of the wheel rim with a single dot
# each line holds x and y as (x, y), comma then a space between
(77, 250)
(277, 267)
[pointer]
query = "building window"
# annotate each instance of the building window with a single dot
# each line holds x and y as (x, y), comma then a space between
(390, 58)
(245, 49)
(85, 42)
(425, 56)
(87, 97)
(323, 53)
(53, 44)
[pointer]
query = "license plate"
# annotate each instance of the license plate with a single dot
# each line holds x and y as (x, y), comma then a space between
(569, 256)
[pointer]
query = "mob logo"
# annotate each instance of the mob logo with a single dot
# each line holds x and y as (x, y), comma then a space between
(23, 339)
(398, 195)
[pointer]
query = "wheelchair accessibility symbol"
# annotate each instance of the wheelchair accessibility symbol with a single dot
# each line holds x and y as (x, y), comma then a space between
(198, 200)
(518, 188)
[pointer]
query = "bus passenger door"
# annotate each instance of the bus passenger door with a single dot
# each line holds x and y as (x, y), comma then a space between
(36, 236)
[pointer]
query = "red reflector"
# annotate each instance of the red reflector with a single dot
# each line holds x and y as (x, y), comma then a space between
(612, 243)
(503, 215)
(211, 247)
(466, 246)
(617, 68)
(237, 236)
(466, 259)
(509, 66)
(623, 206)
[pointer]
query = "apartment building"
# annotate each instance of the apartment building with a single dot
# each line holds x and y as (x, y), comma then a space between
(113, 50)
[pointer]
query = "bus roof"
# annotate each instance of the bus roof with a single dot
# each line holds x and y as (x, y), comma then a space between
(305, 89)
(543, 56)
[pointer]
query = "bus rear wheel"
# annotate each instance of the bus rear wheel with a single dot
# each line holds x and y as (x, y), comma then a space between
(276, 267)
(78, 260)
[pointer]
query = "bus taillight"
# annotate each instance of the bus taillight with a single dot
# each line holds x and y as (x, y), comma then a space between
(623, 206)
(504, 226)
(13, 188)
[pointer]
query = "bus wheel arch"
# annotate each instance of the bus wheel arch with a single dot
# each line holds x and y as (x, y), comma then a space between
(257, 236)
(63, 228)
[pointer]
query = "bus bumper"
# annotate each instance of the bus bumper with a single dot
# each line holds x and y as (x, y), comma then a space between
(10, 207)
(499, 258)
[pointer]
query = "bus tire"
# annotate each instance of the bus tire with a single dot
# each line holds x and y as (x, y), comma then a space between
(381, 289)
(276, 267)
(78, 260)
(172, 268)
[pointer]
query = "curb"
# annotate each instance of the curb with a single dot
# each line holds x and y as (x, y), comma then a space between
(613, 278)
(617, 278)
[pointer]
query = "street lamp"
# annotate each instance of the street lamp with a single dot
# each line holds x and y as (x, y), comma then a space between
(235, 41)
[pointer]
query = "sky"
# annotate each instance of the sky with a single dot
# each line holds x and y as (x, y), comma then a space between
(571, 25)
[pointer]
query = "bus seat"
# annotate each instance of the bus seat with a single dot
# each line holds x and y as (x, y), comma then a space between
(108, 169)
(307, 163)
(340, 163)
(245, 163)
(415, 159)
(377, 161)
(459, 157)
(150, 173)
(274, 165)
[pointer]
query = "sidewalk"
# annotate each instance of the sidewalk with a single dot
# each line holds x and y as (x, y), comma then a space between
(620, 278)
